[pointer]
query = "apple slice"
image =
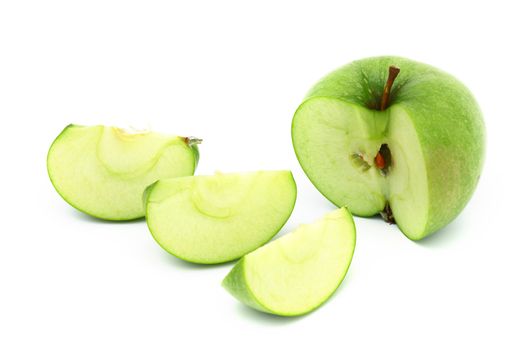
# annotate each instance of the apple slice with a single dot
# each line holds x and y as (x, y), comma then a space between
(214, 219)
(295, 274)
(103, 171)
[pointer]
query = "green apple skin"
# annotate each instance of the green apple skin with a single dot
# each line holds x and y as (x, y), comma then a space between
(193, 143)
(218, 218)
(102, 171)
(448, 131)
(298, 272)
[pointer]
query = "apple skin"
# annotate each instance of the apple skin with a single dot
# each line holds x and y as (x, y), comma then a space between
(444, 114)
(235, 282)
(193, 143)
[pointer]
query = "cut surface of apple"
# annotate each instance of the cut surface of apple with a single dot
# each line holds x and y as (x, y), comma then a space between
(219, 218)
(416, 159)
(103, 171)
(298, 272)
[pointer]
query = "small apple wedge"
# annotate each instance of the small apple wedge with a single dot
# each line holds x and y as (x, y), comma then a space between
(103, 171)
(219, 218)
(297, 273)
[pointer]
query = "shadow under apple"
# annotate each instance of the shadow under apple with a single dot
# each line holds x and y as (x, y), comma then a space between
(91, 219)
(179, 263)
(445, 236)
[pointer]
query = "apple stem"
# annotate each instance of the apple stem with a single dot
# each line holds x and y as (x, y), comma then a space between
(393, 71)
(191, 140)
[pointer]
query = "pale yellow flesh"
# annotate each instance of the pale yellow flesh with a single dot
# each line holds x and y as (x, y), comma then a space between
(103, 171)
(213, 219)
(328, 136)
(295, 274)
(407, 181)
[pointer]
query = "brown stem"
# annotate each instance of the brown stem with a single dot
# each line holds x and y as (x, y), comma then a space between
(393, 71)
(191, 140)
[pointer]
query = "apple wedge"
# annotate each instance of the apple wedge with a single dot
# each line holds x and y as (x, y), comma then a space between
(214, 219)
(295, 274)
(391, 136)
(103, 171)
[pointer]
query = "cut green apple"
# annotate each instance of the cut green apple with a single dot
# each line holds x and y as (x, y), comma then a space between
(392, 136)
(214, 219)
(103, 171)
(295, 274)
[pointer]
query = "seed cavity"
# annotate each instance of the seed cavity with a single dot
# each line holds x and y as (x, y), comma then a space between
(383, 159)
(359, 162)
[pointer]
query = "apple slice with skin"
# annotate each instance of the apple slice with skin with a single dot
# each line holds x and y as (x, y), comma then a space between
(392, 136)
(214, 219)
(103, 171)
(298, 272)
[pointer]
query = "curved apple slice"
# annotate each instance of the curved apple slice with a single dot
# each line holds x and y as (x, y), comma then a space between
(103, 171)
(214, 219)
(295, 274)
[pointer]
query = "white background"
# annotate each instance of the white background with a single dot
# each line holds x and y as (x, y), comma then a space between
(233, 73)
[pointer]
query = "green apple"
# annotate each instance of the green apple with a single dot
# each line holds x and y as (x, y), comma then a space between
(409, 148)
(103, 171)
(295, 274)
(214, 219)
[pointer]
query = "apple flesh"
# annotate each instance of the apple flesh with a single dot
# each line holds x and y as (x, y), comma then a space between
(415, 158)
(103, 171)
(295, 274)
(214, 219)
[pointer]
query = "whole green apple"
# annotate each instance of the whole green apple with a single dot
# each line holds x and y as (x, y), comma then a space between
(392, 136)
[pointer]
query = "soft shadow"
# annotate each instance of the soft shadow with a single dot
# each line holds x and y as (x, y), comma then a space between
(375, 218)
(91, 219)
(179, 263)
(443, 237)
(263, 317)
(440, 238)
